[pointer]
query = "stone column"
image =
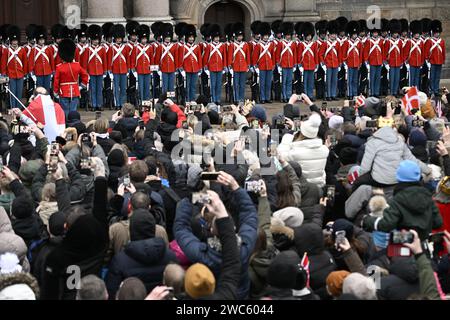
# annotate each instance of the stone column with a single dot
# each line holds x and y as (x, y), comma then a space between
(150, 11)
(102, 11)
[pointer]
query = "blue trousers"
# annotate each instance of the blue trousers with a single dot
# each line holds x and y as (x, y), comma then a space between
(435, 77)
(265, 84)
(120, 89)
(144, 86)
(239, 79)
(394, 79)
(16, 87)
(332, 78)
(375, 80)
(414, 77)
(216, 86)
(191, 84)
(352, 79)
(308, 80)
(43, 81)
(168, 82)
(96, 90)
(69, 104)
(286, 88)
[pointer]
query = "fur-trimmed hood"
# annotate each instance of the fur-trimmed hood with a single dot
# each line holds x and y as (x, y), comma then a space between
(16, 278)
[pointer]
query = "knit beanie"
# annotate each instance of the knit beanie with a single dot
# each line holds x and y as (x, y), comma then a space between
(22, 207)
(343, 225)
(417, 138)
(142, 225)
(116, 158)
(335, 281)
(56, 223)
(199, 281)
(29, 169)
(259, 113)
(291, 216)
(408, 171)
(360, 286)
(285, 271)
(335, 122)
(310, 127)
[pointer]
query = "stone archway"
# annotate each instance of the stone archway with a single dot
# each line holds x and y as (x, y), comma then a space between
(229, 11)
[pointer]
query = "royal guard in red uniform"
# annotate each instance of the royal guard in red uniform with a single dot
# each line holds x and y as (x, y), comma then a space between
(14, 64)
(82, 44)
(329, 57)
(132, 29)
(167, 58)
(307, 57)
(321, 30)
(205, 76)
(435, 55)
(263, 60)
(342, 74)
(373, 57)
(413, 53)
(157, 74)
(239, 60)
(94, 61)
(286, 59)
(256, 37)
(66, 84)
(190, 61)
(119, 64)
(276, 38)
(392, 55)
(426, 67)
(141, 60)
(351, 52)
(40, 62)
(215, 61)
(404, 78)
(384, 81)
(30, 32)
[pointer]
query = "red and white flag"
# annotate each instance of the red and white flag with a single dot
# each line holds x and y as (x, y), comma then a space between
(360, 101)
(305, 264)
(411, 100)
(50, 114)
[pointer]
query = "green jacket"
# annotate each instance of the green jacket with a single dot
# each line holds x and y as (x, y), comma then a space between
(427, 280)
(412, 207)
(6, 201)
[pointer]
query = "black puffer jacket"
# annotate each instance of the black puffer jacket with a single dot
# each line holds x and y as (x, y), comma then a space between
(309, 238)
(403, 280)
(144, 259)
(129, 124)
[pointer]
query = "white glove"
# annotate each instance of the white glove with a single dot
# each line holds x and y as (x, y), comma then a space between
(367, 65)
(407, 66)
(280, 70)
(33, 77)
(231, 71)
(257, 70)
(345, 66)
(339, 69)
(111, 76)
(324, 68)
(183, 73)
(387, 67)
(207, 72)
(104, 75)
(302, 69)
(135, 74)
(252, 69)
(428, 64)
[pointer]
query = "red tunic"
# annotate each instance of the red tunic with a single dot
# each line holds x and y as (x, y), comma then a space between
(329, 54)
(352, 53)
(215, 56)
(14, 62)
(142, 58)
(41, 61)
(373, 52)
(94, 60)
(239, 56)
(414, 53)
(393, 52)
(119, 58)
(435, 50)
(190, 57)
(263, 56)
(66, 81)
(286, 54)
(308, 54)
(167, 57)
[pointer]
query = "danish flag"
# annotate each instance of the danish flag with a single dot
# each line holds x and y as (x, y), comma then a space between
(43, 110)
(411, 100)
(305, 264)
(360, 101)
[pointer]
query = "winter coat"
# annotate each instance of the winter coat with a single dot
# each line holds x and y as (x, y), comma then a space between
(144, 259)
(85, 245)
(402, 281)
(46, 209)
(165, 131)
(6, 201)
(10, 242)
(106, 144)
(311, 154)
(30, 229)
(383, 153)
(411, 208)
(197, 251)
(309, 239)
(129, 124)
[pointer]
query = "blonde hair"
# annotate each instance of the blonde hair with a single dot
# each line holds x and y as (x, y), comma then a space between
(101, 125)
(192, 121)
(48, 192)
(128, 110)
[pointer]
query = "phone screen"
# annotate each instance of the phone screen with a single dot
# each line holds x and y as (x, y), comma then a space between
(209, 176)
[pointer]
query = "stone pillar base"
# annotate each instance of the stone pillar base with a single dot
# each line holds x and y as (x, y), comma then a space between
(151, 20)
(101, 21)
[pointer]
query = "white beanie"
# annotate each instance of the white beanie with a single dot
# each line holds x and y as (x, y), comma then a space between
(291, 216)
(335, 122)
(17, 292)
(360, 286)
(310, 127)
